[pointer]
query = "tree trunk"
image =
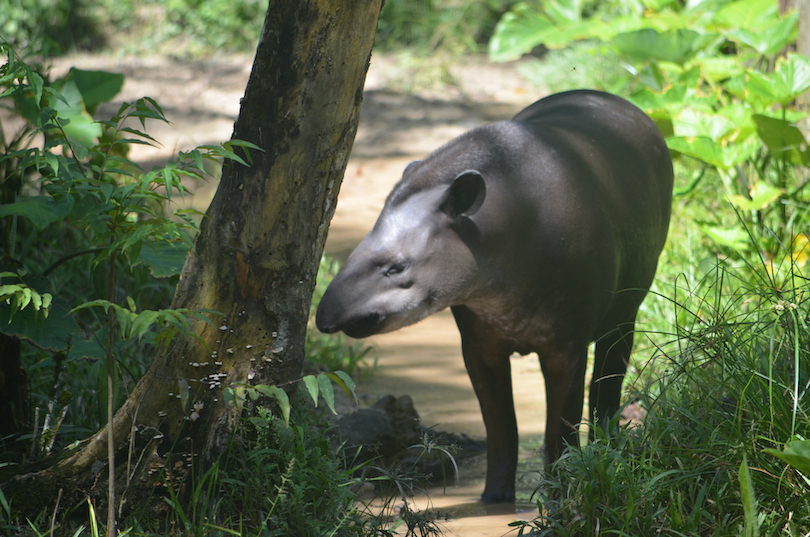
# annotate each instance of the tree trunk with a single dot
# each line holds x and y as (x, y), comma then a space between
(255, 261)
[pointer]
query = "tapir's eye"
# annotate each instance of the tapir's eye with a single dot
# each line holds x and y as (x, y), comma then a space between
(395, 268)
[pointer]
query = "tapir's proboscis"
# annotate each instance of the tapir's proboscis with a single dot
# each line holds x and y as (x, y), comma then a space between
(542, 234)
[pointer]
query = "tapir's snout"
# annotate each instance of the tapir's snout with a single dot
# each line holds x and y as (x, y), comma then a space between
(325, 318)
(333, 315)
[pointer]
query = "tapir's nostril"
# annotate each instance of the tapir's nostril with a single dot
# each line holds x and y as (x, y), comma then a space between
(322, 321)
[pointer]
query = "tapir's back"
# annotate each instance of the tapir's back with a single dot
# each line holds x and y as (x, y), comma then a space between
(617, 142)
(617, 169)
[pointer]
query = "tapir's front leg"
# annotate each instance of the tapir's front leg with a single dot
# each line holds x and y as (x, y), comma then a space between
(487, 362)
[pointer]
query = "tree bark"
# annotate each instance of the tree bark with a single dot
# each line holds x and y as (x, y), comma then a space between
(255, 259)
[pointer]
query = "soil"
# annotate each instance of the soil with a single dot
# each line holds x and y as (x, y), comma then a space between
(443, 100)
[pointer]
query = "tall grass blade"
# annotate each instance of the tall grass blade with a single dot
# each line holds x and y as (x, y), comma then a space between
(749, 501)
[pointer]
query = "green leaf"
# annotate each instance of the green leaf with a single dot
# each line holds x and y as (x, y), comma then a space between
(143, 323)
(86, 348)
(96, 87)
(652, 77)
(41, 210)
(312, 387)
(692, 122)
(782, 137)
(520, 30)
(165, 258)
(235, 396)
(563, 11)
(790, 78)
(719, 68)
(768, 40)
(345, 382)
(747, 14)
(796, 454)
(749, 501)
(716, 154)
(327, 392)
(54, 332)
(733, 237)
(53, 162)
(670, 102)
(77, 123)
(762, 196)
(280, 397)
(673, 46)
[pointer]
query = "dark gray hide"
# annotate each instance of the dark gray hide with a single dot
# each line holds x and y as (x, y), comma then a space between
(542, 234)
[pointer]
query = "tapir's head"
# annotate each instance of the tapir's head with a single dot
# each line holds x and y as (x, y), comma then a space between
(415, 262)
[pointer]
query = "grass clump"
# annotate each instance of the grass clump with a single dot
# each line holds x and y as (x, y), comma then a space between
(287, 481)
(730, 395)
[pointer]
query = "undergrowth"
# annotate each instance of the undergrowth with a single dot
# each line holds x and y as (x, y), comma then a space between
(730, 397)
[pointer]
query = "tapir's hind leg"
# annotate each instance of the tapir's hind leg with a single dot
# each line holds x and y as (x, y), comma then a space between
(487, 362)
(610, 365)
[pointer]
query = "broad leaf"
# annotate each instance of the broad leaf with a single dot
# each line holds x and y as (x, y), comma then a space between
(790, 78)
(735, 238)
(56, 332)
(96, 86)
(563, 11)
(695, 123)
(796, 454)
(327, 392)
(717, 69)
(41, 210)
(76, 122)
(674, 46)
(770, 39)
(520, 30)
(280, 397)
(762, 196)
(747, 14)
(312, 387)
(782, 137)
(707, 150)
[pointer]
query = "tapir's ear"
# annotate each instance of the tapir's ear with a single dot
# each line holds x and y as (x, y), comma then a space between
(465, 196)
(410, 167)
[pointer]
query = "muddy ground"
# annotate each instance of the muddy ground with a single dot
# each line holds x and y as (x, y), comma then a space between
(201, 99)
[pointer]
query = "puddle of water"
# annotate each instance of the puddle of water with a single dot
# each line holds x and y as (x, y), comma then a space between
(455, 510)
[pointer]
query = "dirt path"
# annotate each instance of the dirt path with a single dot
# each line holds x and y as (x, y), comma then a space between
(201, 99)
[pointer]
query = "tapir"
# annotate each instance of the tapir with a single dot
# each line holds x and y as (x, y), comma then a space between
(542, 234)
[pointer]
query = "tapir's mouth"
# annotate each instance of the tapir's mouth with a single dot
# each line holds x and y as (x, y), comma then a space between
(356, 327)
(364, 326)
